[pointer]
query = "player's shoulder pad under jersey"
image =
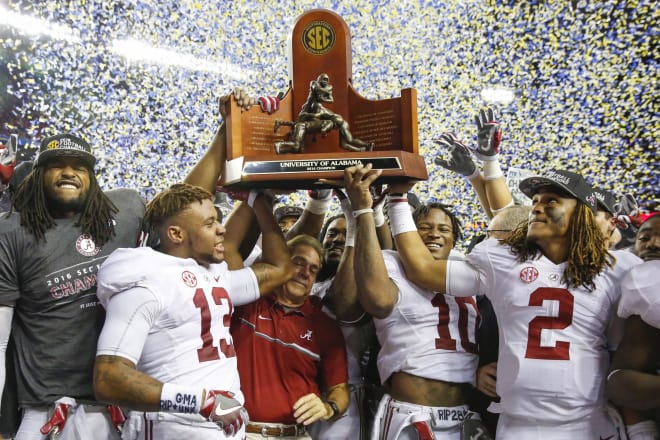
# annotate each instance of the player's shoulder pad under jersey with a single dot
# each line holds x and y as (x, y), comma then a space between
(625, 260)
(639, 293)
(126, 268)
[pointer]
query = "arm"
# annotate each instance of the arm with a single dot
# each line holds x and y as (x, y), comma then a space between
(209, 168)
(332, 377)
(376, 291)
(635, 385)
(420, 266)
(460, 162)
(129, 317)
(117, 381)
(6, 315)
(343, 290)
(239, 224)
(313, 216)
(489, 136)
(276, 267)
(479, 185)
(382, 227)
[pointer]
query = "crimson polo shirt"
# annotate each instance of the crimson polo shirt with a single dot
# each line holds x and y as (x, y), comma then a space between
(283, 356)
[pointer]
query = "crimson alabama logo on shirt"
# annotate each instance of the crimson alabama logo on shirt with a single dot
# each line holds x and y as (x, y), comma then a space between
(86, 246)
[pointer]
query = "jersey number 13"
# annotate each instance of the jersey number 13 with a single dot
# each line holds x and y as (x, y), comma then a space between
(209, 352)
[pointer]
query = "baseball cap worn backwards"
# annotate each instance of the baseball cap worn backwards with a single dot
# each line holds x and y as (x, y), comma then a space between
(571, 183)
(64, 145)
(606, 200)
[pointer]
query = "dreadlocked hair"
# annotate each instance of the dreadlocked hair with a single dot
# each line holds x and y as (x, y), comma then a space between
(96, 216)
(587, 255)
(172, 201)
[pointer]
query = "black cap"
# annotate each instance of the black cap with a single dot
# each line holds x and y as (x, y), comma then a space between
(287, 211)
(572, 183)
(64, 145)
(606, 200)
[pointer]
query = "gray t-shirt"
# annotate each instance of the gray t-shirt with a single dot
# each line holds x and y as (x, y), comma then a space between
(57, 317)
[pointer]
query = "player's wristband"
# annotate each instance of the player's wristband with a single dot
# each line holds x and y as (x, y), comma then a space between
(180, 399)
(401, 219)
(508, 205)
(349, 240)
(318, 206)
(612, 373)
(474, 174)
(359, 212)
(642, 430)
(351, 223)
(492, 169)
(252, 197)
(379, 216)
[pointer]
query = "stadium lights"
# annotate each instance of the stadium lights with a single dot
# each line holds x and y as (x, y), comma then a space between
(37, 26)
(137, 51)
(498, 95)
(131, 49)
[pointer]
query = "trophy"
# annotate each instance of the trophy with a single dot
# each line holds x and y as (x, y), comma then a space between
(322, 125)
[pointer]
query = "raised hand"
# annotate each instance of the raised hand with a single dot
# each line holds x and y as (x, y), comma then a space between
(489, 135)
(235, 194)
(357, 180)
(242, 98)
(459, 160)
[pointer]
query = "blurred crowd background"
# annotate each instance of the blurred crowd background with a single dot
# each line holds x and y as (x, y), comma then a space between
(576, 82)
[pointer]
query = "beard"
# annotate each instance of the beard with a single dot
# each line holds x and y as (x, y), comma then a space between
(67, 204)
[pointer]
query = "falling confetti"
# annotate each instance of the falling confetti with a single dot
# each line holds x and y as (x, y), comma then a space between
(584, 75)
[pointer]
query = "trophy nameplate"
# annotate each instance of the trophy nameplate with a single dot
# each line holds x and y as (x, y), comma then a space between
(293, 147)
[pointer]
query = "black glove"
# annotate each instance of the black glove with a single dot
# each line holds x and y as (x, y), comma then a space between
(460, 160)
(489, 136)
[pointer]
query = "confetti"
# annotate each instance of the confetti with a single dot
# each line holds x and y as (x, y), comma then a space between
(584, 74)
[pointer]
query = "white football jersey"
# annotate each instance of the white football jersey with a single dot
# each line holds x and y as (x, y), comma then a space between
(427, 334)
(185, 310)
(553, 355)
(639, 293)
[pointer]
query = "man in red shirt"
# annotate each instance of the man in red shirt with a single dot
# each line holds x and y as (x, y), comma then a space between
(291, 355)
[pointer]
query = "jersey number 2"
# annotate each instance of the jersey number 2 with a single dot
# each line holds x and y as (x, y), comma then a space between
(209, 352)
(564, 318)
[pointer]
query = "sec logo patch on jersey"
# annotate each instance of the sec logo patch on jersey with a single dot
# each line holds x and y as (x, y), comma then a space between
(529, 274)
(189, 278)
